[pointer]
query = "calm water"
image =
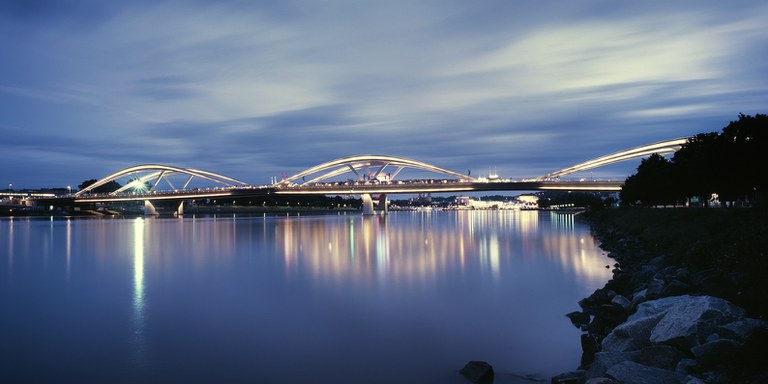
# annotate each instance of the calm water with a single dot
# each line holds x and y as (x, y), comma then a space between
(407, 298)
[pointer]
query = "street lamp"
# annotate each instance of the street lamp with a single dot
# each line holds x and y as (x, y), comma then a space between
(69, 187)
(9, 187)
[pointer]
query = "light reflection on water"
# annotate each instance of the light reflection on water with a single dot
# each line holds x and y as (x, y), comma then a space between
(400, 252)
(232, 298)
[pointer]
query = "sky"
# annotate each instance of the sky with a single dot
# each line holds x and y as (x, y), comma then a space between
(255, 89)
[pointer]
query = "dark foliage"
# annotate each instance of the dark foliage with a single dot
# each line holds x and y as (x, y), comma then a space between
(728, 163)
(593, 200)
(106, 188)
(730, 245)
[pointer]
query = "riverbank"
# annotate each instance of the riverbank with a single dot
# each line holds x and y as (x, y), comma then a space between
(686, 302)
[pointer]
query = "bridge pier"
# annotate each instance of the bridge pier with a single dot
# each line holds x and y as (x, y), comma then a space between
(383, 204)
(149, 209)
(180, 209)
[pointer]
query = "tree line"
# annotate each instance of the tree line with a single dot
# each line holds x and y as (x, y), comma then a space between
(727, 166)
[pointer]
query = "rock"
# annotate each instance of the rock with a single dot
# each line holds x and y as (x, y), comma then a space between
(589, 347)
(717, 377)
(655, 288)
(612, 314)
(686, 366)
(478, 372)
(692, 318)
(573, 377)
(633, 334)
(622, 302)
(676, 288)
(653, 307)
(605, 360)
(639, 297)
(578, 319)
(659, 356)
(741, 330)
(712, 282)
(597, 298)
(597, 326)
(721, 351)
(619, 282)
(630, 372)
(693, 380)
(601, 380)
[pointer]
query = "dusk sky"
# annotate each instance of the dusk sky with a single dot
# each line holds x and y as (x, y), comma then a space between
(256, 89)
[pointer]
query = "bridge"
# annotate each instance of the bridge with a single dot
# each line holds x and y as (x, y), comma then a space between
(367, 175)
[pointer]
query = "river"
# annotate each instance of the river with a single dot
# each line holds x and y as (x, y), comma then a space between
(405, 298)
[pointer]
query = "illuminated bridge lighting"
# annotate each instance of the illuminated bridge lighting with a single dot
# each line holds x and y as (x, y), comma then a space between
(661, 147)
(372, 166)
(159, 173)
(374, 174)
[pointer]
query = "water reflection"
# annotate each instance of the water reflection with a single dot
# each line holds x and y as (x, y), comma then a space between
(417, 248)
(284, 299)
(138, 292)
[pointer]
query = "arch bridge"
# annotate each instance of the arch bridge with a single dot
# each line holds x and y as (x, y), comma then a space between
(372, 174)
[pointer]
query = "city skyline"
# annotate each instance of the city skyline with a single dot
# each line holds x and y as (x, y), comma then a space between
(255, 90)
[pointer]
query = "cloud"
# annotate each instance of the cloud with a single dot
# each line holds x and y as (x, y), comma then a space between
(261, 88)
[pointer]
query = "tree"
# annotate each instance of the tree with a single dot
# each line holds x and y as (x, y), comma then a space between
(106, 188)
(695, 164)
(729, 164)
(653, 183)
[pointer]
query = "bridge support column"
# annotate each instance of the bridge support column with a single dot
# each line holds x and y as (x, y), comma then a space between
(383, 204)
(180, 209)
(367, 204)
(149, 209)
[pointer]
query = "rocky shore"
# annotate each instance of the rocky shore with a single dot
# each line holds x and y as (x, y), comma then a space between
(672, 313)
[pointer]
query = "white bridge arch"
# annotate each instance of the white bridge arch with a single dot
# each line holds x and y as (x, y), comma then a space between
(662, 147)
(152, 174)
(372, 166)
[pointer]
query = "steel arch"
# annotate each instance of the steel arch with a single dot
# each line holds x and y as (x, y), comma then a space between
(668, 146)
(159, 171)
(366, 163)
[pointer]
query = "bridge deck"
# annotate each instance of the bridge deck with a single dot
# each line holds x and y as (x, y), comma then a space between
(348, 188)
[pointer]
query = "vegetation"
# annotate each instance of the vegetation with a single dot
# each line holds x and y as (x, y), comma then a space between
(727, 164)
(728, 246)
(106, 188)
(592, 200)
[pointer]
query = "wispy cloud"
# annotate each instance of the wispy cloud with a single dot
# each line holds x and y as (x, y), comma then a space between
(266, 88)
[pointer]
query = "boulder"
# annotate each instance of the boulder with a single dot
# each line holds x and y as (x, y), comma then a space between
(691, 319)
(619, 282)
(622, 302)
(741, 330)
(573, 377)
(605, 360)
(686, 366)
(578, 319)
(601, 380)
(721, 351)
(655, 288)
(693, 380)
(478, 372)
(589, 346)
(630, 372)
(612, 314)
(659, 356)
(639, 297)
(676, 288)
(632, 334)
(597, 298)
(653, 307)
